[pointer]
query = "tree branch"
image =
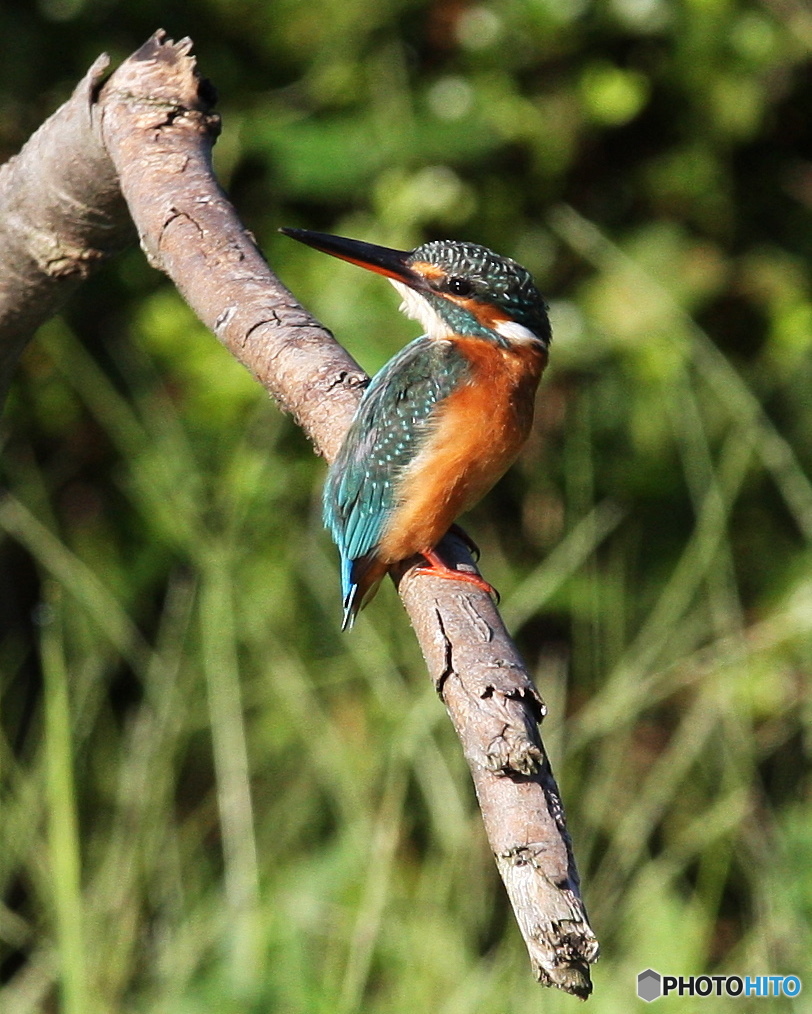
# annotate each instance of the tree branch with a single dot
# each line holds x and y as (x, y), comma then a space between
(155, 120)
(61, 216)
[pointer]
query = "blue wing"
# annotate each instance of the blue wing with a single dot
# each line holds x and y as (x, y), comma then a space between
(392, 422)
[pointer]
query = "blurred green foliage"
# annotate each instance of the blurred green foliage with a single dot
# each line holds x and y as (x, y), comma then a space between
(211, 801)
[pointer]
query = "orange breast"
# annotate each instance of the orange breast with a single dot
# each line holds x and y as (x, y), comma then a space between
(480, 430)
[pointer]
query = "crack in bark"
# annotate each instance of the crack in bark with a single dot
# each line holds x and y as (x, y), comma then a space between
(448, 656)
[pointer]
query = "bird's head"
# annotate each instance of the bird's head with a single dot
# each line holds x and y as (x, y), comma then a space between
(452, 288)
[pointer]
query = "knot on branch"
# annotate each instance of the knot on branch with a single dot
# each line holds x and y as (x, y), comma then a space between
(513, 753)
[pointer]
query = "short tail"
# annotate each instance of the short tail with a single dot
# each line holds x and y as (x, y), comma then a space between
(352, 606)
(359, 582)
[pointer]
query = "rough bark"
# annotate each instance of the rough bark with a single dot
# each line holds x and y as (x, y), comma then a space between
(156, 123)
(61, 215)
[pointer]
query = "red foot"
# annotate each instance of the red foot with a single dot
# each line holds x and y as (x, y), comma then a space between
(437, 568)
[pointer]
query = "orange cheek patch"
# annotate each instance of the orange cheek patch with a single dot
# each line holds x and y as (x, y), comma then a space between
(486, 313)
(491, 315)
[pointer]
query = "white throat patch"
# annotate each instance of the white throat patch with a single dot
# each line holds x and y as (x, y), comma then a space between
(416, 307)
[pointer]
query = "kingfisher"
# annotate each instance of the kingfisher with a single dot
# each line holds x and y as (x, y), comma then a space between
(444, 419)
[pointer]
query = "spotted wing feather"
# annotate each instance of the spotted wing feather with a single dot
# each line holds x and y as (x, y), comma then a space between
(391, 425)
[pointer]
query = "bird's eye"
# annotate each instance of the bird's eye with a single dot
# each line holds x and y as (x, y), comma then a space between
(460, 286)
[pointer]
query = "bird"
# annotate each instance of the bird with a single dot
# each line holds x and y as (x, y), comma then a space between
(444, 419)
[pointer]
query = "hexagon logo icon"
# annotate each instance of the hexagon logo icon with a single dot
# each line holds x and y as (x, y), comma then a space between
(649, 985)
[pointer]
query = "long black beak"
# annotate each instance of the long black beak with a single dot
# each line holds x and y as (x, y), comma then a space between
(392, 263)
